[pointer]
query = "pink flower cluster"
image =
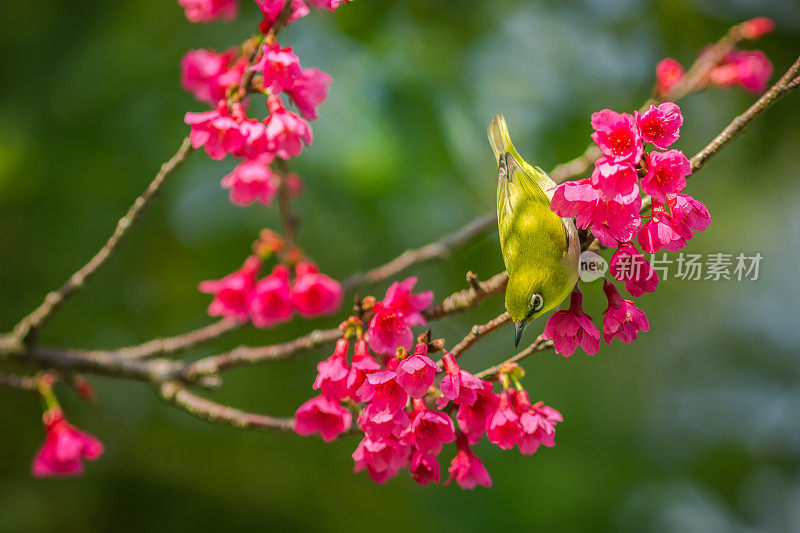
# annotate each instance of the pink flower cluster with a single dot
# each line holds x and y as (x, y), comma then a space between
(402, 431)
(64, 448)
(212, 10)
(609, 204)
(209, 10)
(272, 299)
(395, 315)
(750, 70)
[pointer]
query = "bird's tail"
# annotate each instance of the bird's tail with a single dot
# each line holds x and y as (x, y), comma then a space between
(499, 138)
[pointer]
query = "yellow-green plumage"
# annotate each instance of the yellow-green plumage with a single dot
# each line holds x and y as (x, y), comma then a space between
(540, 249)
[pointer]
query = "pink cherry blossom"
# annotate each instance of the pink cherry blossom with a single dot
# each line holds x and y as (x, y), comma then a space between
(388, 330)
(502, 427)
(616, 220)
(233, 293)
(669, 73)
(571, 328)
(472, 418)
(630, 266)
(428, 429)
(272, 299)
(327, 4)
(323, 415)
(361, 364)
(417, 372)
(315, 294)
(209, 10)
(613, 179)
(538, 423)
(278, 67)
(666, 174)
(576, 199)
(379, 423)
(310, 89)
(208, 74)
(424, 468)
(751, 69)
(466, 469)
(382, 389)
(381, 458)
(660, 125)
(756, 27)
(400, 298)
(332, 373)
(617, 136)
(271, 9)
(458, 385)
(216, 131)
(660, 232)
(622, 318)
(64, 448)
(688, 214)
(285, 131)
(252, 181)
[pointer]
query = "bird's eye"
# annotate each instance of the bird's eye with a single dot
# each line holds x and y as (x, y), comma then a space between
(537, 302)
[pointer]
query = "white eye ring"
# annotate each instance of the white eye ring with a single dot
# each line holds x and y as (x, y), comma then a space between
(537, 302)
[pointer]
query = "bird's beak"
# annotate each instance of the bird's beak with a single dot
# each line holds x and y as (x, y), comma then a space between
(519, 327)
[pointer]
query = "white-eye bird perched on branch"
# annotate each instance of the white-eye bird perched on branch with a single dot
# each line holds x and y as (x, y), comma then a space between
(540, 249)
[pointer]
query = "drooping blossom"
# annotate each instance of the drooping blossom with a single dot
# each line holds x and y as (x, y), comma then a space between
(613, 179)
(379, 423)
(428, 429)
(571, 328)
(271, 303)
(332, 373)
(458, 385)
(669, 73)
(417, 372)
(323, 415)
(576, 199)
(660, 125)
(472, 418)
(285, 131)
(466, 469)
(208, 74)
(616, 220)
(617, 136)
(381, 389)
(216, 131)
(688, 214)
(538, 423)
(390, 327)
(666, 174)
(424, 468)
(756, 27)
(750, 69)
(630, 266)
(271, 9)
(64, 449)
(209, 10)
(278, 67)
(309, 90)
(660, 232)
(232, 294)
(361, 364)
(622, 318)
(381, 458)
(502, 427)
(315, 294)
(251, 181)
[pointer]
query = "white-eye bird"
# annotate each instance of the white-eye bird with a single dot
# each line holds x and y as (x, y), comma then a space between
(540, 249)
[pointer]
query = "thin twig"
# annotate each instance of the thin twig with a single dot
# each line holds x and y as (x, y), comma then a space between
(173, 345)
(205, 409)
(539, 345)
(16, 381)
(27, 328)
(478, 332)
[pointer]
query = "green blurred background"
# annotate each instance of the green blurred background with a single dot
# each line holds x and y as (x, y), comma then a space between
(694, 427)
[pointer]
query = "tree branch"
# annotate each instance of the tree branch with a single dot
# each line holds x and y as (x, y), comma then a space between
(27, 328)
(16, 381)
(478, 332)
